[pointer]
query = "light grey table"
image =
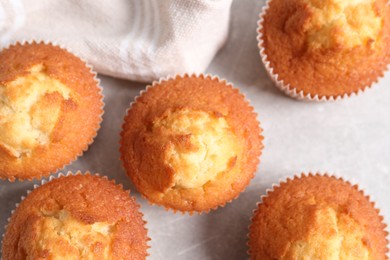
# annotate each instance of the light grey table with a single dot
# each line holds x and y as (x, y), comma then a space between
(350, 138)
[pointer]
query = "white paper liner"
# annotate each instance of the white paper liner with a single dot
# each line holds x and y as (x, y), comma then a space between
(69, 173)
(352, 183)
(287, 88)
(199, 75)
(100, 91)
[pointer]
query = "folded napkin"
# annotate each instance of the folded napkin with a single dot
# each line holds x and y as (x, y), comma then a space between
(134, 39)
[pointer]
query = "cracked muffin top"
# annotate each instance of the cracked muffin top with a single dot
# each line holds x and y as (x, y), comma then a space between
(191, 143)
(327, 48)
(76, 217)
(317, 217)
(50, 109)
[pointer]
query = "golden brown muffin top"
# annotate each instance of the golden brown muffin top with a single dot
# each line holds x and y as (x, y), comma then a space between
(327, 48)
(191, 143)
(202, 145)
(76, 217)
(344, 24)
(30, 108)
(317, 217)
(50, 109)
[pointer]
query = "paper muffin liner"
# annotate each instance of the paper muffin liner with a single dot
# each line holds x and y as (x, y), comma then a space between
(100, 91)
(285, 87)
(284, 181)
(178, 76)
(69, 173)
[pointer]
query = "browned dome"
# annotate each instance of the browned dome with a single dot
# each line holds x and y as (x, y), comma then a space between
(77, 217)
(50, 109)
(191, 143)
(317, 217)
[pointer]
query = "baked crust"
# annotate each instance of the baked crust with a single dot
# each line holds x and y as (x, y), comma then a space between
(327, 48)
(50, 109)
(76, 217)
(317, 217)
(144, 148)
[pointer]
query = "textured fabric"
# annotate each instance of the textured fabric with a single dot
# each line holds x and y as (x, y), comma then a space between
(134, 39)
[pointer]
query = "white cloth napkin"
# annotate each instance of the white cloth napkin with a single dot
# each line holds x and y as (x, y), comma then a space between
(134, 39)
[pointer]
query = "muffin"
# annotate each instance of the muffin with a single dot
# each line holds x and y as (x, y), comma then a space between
(317, 217)
(50, 109)
(76, 217)
(191, 143)
(325, 50)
